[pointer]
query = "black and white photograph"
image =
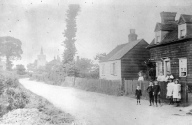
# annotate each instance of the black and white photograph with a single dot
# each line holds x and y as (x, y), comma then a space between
(95, 62)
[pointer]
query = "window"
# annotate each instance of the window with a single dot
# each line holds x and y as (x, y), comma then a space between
(113, 69)
(182, 33)
(183, 67)
(103, 69)
(182, 30)
(158, 39)
(167, 66)
(159, 68)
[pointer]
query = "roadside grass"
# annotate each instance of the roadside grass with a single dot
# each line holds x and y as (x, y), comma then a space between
(15, 100)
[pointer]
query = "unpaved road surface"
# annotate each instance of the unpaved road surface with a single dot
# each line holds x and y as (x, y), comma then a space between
(100, 109)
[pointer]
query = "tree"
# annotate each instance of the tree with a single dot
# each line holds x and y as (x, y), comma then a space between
(70, 34)
(10, 47)
(100, 56)
(31, 67)
(84, 65)
(20, 69)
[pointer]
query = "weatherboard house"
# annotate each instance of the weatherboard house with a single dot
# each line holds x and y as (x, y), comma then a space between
(171, 49)
(126, 60)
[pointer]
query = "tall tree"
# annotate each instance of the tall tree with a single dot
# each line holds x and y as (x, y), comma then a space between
(10, 47)
(70, 33)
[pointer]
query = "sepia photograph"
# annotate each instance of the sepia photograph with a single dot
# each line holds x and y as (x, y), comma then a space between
(95, 62)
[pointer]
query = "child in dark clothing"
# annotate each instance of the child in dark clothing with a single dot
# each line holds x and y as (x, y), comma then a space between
(150, 91)
(156, 92)
(138, 94)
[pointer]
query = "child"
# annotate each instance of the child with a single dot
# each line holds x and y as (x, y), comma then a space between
(150, 91)
(140, 79)
(138, 94)
(156, 92)
(177, 92)
(170, 86)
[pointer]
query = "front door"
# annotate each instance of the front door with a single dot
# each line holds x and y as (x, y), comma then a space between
(167, 66)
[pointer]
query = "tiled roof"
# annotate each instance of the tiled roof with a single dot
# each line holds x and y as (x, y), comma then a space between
(120, 51)
(108, 56)
(186, 18)
(166, 27)
(172, 35)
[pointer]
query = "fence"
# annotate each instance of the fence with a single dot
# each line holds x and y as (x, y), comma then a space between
(130, 87)
(111, 87)
(95, 85)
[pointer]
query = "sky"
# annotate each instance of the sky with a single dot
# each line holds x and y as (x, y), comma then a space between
(101, 25)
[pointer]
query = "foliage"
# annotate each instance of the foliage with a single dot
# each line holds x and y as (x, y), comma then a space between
(20, 69)
(10, 48)
(12, 96)
(70, 33)
(85, 68)
(31, 67)
(100, 56)
(151, 69)
(84, 65)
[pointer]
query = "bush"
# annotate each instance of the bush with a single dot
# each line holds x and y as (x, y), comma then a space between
(12, 95)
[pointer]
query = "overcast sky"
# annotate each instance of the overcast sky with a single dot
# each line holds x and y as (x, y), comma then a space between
(101, 25)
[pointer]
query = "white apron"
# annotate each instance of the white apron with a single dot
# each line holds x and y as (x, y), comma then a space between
(176, 91)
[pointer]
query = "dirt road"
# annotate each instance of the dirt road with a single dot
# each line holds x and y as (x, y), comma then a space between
(100, 109)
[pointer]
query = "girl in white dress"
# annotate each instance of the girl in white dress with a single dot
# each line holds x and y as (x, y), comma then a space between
(177, 92)
(170, 90)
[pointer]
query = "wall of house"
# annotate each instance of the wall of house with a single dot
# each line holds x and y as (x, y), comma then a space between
(133, 61)
(175, 51)
(106, 74)
(189, 62)
(172, 51)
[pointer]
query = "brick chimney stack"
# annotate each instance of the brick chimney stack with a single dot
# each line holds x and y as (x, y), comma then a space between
(132, 36)
(167, 17)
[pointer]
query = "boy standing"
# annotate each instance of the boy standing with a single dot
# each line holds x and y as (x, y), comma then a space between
(138, 94)
(150, 91)
(156, 92)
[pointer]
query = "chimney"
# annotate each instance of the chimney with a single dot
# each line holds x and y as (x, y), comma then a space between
(132, 36)
(167, 17)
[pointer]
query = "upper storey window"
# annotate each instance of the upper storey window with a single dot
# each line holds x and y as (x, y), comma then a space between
(182, 31)
(157, 37)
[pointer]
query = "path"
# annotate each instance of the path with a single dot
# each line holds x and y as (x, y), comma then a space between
(101, 109)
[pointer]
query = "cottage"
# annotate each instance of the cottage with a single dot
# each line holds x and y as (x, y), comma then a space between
(126, 60)
(171, 49)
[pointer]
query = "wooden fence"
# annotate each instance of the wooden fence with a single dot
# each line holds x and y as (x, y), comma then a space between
(110, 87)
(130, 87)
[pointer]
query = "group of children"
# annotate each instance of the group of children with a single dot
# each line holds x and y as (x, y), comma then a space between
(154, 91)
(174, 91)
